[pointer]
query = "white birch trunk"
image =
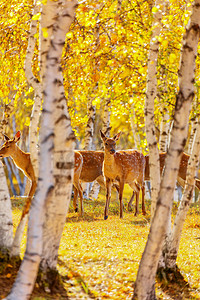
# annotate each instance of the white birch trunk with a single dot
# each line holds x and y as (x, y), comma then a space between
(174, 238)
(89, 133)
(164, 131)
(37, 86)
(144, 285)
(64, 143)
(106, 130)
(57, 17)
(6, 225)
(194, 123)
(149, 105)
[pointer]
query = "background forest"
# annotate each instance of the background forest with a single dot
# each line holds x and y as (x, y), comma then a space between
(106, 71)
(104, 63)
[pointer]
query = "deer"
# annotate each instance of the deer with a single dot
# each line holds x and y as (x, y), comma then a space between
(125, 166)
(92, 170)
(78, 163)
(23, 161)
(181, 173)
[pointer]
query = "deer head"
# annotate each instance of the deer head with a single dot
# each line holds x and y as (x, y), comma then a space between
(110, 144)
(9, 146)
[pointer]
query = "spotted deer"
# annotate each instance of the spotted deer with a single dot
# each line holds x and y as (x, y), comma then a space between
(182, 172)
(125, 166)
(23, 161)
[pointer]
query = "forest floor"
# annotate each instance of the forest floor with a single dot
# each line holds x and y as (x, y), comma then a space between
(99, 259)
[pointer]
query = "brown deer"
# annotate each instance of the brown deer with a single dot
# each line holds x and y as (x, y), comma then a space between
(23, 161)
(92, 170)
(181, 173)
(182, 168)
(78, 163)
(127, 166)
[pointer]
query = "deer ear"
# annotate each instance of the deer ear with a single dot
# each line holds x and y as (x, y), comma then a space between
(116, 137)
(17, 137)
(6, 137)
(103, 136)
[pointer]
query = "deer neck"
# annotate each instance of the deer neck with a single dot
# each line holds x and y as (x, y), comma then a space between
(109, 159)
(19, 157)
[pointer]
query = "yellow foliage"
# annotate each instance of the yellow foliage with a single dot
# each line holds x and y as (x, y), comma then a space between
(45, 32)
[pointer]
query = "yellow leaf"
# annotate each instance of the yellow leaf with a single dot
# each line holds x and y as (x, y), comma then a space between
(154, 9)
(45, 32)
(8, 275)
(165, 43)
(69, 35)
(36, 17)
(172, 58)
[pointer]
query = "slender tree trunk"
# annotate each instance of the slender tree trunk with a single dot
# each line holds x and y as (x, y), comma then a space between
(149, 105)
(56, 143)
(144, 285)
(6, 224)
(64, 143)
(174, 239)
(134, 130)
(164, 131)
(89, 132)
(37, 86)
(106, 130)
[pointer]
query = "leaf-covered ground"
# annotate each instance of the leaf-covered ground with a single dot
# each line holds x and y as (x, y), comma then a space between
(99, 259)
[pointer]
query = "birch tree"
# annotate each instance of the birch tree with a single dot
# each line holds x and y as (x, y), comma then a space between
(36, 85)
(106, 130)
(164, 131)
(144, 285)
(34, 122)
(151, 94)
(6, 225)
(173, 241)
(56, 143)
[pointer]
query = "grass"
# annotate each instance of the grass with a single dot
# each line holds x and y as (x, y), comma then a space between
(99, 259)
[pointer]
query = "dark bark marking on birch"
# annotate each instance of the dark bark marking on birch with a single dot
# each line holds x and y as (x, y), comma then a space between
(64, 165)
(63, 117)
(51, 135)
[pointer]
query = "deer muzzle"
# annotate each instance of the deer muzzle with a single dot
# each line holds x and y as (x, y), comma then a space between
(112, 151)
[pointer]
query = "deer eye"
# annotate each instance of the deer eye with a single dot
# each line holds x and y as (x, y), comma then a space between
(106, 144)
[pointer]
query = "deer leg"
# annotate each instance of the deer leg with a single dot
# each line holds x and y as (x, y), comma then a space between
(143, 203)
(136, 189)
(29, 198)
(121, 188)
(131, 201)
(80, 191)
(108, 195)
(75, 202)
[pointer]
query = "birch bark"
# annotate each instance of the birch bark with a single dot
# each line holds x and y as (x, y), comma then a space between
(164, 131)
(37, 86)
(54, 179)
(64, 142)
(174, 239)
(144, 285)
(151, 94)
(6, 225)
(106, 130)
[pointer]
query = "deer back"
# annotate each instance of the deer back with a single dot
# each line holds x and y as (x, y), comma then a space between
(92, 165)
